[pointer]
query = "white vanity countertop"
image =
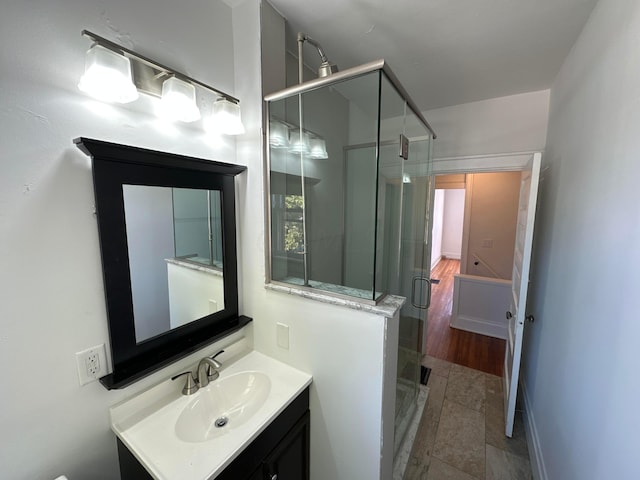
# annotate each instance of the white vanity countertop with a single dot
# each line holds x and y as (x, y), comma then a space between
(146, 423)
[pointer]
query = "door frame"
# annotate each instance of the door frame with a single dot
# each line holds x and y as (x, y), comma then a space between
(469, 164)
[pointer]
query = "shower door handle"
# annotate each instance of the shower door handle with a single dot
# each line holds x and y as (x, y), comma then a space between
(420, 278)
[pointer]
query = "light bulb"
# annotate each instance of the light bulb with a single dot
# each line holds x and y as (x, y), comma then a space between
(317, 149)
(107, 76)
(278, 134)
(297, 143)
(225, 118)
(178, 101)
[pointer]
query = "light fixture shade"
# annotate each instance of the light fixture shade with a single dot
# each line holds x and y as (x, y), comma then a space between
(298, 144)
(225, 118)
(318, 149)
(178, 101)
(278, 134)
(406, 178)
(107, 76)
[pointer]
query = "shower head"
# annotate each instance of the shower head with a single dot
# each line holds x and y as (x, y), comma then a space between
(326, 67)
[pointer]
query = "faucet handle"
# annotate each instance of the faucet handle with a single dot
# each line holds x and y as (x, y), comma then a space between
(190, 386)
(214, 358)
(211, 373)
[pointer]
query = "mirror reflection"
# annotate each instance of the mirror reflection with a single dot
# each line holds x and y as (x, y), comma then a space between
(174, 242)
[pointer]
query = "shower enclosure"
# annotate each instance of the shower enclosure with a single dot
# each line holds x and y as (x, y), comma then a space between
(350, 193)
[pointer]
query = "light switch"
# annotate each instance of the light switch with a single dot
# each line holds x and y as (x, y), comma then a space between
(282, 335)
(487, 243)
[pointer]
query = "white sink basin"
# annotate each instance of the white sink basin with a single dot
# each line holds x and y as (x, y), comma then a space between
(174, 435)
(222, 406)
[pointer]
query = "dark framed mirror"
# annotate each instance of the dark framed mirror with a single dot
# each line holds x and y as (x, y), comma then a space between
(167, 231)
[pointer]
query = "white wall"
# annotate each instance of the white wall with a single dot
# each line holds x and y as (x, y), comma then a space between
(453, 222)
(149, 228)
(438, 225)
(515, 123)
(193, 292)
(490, 227)
(51, 279)
(580, 362)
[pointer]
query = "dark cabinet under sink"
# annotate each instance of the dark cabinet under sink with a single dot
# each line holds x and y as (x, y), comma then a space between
(280, 452)
(290, 459)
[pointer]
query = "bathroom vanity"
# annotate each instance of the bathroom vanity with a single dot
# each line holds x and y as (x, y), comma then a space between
(262, 404)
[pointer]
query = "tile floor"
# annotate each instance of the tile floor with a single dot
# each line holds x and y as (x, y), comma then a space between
(461, 434)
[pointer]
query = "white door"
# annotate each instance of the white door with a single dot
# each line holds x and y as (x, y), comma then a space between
(519, 286)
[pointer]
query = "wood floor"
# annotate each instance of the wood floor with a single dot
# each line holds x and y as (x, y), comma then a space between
(458, 346)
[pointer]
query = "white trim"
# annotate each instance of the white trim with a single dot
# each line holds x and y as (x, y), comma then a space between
(497, 162)
(538, 467)
(466, 223)
(484, 280)
(479, 325)
(452, 255)
(436, 261)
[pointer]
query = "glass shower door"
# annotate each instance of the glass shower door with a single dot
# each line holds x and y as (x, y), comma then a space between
(414, 260)
(404, 199)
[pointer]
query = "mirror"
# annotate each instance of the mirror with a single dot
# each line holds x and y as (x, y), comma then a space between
(174, 243)
(166, 225)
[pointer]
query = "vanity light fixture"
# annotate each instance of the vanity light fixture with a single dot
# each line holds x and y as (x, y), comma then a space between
(107, 76)
(318, 149)
(114, 73)
(285, 135)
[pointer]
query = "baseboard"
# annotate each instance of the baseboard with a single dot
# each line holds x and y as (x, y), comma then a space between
(435, 261)
(533, 440)
(479, 325)
(452, 256)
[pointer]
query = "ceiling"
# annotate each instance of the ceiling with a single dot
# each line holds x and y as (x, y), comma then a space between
(446, 52)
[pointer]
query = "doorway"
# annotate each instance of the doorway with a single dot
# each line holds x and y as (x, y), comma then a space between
(474, 223)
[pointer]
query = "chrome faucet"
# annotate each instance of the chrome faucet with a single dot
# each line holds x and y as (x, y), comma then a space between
(207, 371)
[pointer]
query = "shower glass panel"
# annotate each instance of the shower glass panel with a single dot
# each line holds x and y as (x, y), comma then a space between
(350, 200)
(323, 198)
(197, 226)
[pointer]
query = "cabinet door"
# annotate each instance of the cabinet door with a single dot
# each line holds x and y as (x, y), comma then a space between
(290, 459)
(257, 475)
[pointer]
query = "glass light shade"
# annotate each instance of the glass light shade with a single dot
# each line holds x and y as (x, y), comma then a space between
(225, 118)
(406, 178)
(298, 144)
(317, 149)
(107, 76)
(178, 101)
(278, 135)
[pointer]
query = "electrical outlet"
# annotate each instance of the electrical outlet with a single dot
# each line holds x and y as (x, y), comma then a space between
(92, 364)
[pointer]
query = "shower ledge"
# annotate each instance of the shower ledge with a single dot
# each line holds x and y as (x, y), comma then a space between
(387, 307)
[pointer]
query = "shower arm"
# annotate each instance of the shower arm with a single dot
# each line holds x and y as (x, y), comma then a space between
(303, 37)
